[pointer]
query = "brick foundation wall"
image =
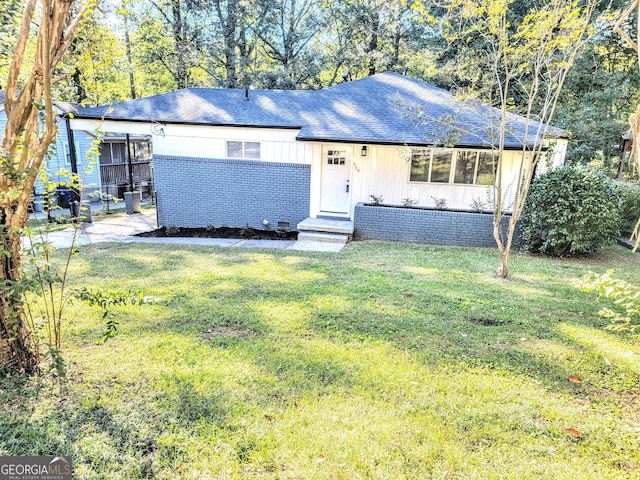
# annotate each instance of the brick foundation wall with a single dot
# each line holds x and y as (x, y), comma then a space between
(198, 192)
(441, 227)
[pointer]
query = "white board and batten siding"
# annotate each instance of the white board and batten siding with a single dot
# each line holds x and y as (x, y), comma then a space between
(276, 145)
(385, 172)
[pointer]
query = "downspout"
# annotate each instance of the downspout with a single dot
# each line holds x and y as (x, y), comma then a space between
(72, 145)
(74, 162)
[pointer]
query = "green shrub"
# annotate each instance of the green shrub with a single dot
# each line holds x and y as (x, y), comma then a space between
(629, 203)
(570, 211)
(625, 316)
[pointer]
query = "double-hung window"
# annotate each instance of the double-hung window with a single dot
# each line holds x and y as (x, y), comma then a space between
(67, 153)
(242, 149)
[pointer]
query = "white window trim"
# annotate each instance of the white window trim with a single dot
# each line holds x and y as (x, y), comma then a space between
(66, 152)
(475, 166)
(452, 167)
(78, 154)
(452, 171)
(243, 142)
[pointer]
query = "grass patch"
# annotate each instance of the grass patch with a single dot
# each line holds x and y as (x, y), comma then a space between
(62, 220)
(59, 222)
(385, 361)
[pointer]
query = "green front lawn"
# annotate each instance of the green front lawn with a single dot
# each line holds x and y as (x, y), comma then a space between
(386, 361)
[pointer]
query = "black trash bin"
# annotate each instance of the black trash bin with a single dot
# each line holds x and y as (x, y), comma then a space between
(64, 197)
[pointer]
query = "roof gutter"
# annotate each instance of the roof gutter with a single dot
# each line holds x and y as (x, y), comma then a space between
(412, 144)
(199, 124)
(291, 127)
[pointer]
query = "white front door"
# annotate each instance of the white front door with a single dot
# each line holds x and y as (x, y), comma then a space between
(336, 174)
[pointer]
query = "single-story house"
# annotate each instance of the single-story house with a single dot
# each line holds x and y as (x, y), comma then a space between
(69, 144)
(271, 159)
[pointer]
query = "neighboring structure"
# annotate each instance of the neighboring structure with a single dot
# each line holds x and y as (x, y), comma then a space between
(625, 152)
(67, 143)
(229, 157)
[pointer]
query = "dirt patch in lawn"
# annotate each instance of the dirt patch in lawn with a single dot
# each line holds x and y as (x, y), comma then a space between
(487, 321)
(228, 332)
(222, 232)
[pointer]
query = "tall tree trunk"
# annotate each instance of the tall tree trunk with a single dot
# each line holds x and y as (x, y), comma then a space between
(29, 131)
(245, 49)
(372, 48)
(127, 41)
(229, 22)
(182, 69)
(17, 350)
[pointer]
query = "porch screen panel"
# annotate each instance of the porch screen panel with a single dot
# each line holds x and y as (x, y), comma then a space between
(420, 160)
(105, 153)
(441, 166)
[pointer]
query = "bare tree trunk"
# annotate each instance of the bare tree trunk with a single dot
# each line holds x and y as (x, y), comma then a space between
(127, 41)
(30, 129)
(182, 69)
(373, 42)
(17, 350)
(229, 24)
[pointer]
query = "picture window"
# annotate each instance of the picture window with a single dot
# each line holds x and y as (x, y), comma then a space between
(462, 167)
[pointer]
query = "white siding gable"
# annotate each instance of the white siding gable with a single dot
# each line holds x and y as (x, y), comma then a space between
(276, 145)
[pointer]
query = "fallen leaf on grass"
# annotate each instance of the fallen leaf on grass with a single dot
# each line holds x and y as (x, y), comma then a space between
(575, 379)
(581, 401)
(408, 295)
(572, 431)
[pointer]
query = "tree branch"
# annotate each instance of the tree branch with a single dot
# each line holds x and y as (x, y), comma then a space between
(18, 56)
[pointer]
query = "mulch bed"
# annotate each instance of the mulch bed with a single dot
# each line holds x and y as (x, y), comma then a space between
(221, 232)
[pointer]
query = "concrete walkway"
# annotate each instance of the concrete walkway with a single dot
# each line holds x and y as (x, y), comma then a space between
(123, 228)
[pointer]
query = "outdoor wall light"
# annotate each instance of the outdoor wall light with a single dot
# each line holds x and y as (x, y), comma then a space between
(363, 152)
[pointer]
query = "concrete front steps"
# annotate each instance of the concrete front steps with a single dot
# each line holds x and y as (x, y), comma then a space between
(323, 230)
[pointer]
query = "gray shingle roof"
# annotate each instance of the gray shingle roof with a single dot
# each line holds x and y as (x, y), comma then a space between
(384, 108)
(264, 108)
(67, 107)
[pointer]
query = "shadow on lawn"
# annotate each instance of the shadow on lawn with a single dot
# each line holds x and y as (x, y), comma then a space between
(80, 425)
(442, 315)
(346, 326)
(414, 300)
